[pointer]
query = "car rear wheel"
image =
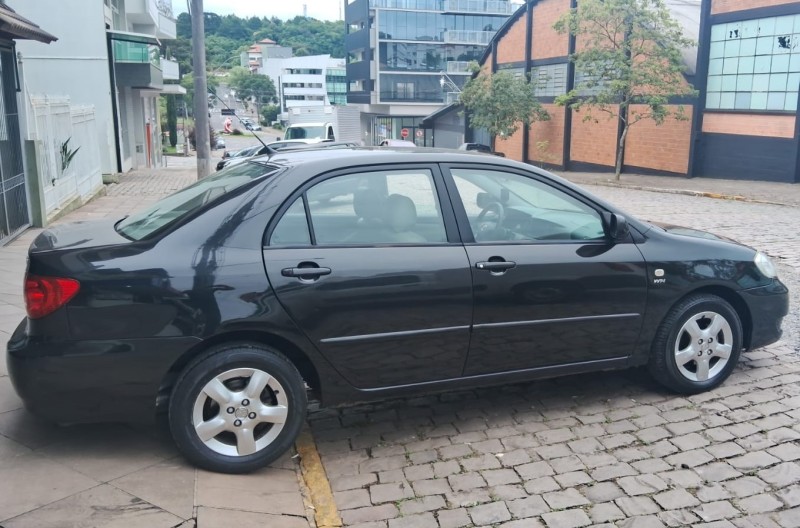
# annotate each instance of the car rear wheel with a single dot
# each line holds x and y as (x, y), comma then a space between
(237, 409)
(698, 344)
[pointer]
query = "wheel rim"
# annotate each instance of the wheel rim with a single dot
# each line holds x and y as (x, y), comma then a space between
(703, 346)
(240, 412)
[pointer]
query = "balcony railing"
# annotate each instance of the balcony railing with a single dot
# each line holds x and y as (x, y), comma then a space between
(165, 8)
(493, 7)
(481, 38)
(416, 5)
(133, 52)
(457, 66)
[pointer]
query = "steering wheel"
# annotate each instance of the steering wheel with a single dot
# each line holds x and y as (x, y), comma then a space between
(490, 220)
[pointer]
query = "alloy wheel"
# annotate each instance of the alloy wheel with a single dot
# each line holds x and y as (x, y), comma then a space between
(703, 346)
(240, 412)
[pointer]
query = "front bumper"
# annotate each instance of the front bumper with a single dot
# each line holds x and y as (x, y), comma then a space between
(768, 305)
(91, 381)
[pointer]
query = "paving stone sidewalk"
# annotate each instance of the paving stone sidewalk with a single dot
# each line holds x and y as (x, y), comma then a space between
(118, 475)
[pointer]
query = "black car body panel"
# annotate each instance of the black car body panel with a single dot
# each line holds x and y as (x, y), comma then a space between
(386, 321)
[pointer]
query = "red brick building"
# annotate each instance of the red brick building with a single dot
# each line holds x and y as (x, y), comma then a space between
(743, 125)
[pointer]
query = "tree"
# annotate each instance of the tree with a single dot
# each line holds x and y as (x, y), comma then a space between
(501, 102)
(253, 87)
(172, 120)
(631, 55)
(269, 113)
(187, 81)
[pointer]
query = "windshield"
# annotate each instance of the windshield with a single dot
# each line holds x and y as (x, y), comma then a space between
(306, 132)
(187, 200)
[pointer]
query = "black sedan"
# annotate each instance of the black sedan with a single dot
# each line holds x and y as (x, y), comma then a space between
(223, 304)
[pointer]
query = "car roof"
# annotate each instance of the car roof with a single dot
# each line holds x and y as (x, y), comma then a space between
(325, 159)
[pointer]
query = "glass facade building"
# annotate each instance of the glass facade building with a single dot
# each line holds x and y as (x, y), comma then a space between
(398, 49)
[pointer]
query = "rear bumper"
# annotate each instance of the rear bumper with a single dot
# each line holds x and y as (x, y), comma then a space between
(91, 381)
(768, 305)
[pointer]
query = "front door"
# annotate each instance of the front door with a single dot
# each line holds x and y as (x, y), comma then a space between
(549, 287)
(374, 279)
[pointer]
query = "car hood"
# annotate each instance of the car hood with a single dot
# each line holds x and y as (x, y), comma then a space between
(77, 235)
(691, 232)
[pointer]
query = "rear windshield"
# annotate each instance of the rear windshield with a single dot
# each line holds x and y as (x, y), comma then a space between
(176, 206)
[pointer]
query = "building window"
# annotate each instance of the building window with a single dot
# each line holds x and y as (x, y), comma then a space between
(755, 64)
(550, 80)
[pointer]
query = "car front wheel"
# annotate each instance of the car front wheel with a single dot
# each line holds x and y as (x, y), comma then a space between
(697, 345)
(238, 409)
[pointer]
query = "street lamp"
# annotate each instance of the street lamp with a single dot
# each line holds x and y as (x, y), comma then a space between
(446, 82)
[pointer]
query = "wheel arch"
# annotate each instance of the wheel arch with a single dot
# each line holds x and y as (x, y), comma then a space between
(293, 353)
(732, 298)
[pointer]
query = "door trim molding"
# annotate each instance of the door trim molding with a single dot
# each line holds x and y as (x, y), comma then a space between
(392, 335)
(558, 320)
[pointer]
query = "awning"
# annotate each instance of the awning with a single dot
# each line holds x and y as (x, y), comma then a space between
(22, 28)
(138, 38)
(173, 89)
(428, 121)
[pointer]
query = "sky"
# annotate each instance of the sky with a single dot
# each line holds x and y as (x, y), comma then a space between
(284, 9)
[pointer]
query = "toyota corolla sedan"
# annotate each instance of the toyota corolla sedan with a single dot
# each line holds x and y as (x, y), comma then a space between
(361, 274)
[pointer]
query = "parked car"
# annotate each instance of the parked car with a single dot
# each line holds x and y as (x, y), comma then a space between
(258, 150)
(401, 143)
(479, 147)
(246, 152)
(219, 143)
(220, 304)
(253, 127)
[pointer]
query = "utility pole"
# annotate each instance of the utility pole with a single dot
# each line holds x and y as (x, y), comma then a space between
(201, 121)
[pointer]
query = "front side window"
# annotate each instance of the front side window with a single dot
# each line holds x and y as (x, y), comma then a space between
(186, 201)
(370, 208)
(508, 207)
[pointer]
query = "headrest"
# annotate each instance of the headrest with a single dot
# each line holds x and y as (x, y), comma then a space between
(401, 212)
(367, 204)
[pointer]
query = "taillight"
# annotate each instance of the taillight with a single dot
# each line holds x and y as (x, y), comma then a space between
(45, 295)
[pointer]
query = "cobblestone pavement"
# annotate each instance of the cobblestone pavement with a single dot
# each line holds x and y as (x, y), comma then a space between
(608, 449)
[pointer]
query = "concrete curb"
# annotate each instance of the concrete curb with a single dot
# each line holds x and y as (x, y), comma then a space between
(687, 192)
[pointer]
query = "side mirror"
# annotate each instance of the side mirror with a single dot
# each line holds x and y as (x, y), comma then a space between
(616, 226)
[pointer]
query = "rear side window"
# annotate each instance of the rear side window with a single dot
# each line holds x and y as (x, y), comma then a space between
(366, 209)
(188, 200)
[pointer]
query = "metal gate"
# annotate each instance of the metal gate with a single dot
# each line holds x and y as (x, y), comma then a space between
(14, 214)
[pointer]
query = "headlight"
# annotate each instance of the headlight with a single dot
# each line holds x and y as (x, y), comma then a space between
(765, 265)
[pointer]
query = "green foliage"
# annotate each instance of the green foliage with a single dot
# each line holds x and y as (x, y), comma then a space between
(187, 81)
(172, 120)
(252, 87)
(227, 36)
(269, 113)
(501, 102)
(66, 156)
(631, 56)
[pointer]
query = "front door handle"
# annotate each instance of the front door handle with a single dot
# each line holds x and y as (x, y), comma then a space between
(495, 265)
(305, 273)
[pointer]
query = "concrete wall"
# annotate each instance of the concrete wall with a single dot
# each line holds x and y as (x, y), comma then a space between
(75, 66)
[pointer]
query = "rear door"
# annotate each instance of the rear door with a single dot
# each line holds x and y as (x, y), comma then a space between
(369, 265)
(549, 287)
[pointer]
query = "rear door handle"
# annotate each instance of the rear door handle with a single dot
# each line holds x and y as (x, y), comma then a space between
(495, 266)
(305, 273)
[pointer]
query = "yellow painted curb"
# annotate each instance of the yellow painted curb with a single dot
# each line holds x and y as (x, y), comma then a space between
(326, 515)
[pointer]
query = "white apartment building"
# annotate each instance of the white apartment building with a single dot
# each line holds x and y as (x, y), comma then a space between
(314, 80)
(107, 57)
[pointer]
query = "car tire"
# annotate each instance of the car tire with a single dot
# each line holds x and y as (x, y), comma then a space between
(222, 422)
(690, 347)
